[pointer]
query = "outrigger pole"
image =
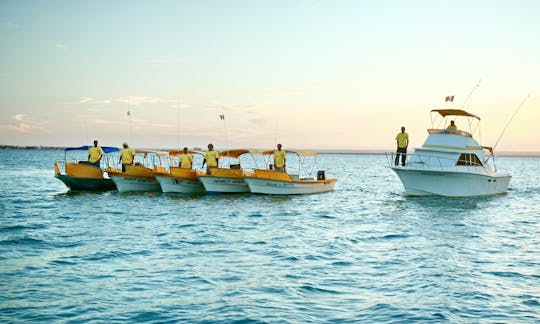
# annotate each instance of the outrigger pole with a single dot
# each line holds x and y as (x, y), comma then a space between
(470, 94)
(510, 120)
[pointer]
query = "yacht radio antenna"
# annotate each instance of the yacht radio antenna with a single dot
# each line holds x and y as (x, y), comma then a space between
(510, 120)
(470, 94)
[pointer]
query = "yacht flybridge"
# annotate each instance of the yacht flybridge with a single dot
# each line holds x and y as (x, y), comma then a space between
(451, 162)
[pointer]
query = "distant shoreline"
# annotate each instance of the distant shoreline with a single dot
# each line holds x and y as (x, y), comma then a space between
(323, 151)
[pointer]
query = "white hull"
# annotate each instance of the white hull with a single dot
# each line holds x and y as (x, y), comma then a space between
(133, 184)
(179, 185)
(277, 187)
(451, 183)
(223, 184)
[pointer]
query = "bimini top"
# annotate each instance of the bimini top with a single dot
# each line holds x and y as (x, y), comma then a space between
(160, 153)
(180, 152)
(454, 112)
(299, 153)
(106, 149)
(237, 152)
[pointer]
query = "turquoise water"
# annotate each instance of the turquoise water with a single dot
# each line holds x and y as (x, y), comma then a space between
(363, 253)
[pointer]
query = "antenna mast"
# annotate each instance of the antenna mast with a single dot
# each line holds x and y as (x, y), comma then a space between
(470, 94)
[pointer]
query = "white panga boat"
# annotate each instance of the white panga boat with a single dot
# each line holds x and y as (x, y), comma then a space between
(139, 177)
(282, 183)
(79, 174)
(180, 180)
(451, 163)
(228, 180)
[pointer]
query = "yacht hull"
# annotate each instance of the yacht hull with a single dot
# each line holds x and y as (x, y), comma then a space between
(277, 187)
(214, 184)
(180, 185)
(451, 183)
(135, 184)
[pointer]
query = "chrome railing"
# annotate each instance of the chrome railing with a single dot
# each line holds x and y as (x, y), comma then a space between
(431, 162)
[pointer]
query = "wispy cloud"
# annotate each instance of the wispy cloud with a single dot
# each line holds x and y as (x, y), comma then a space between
(22, 124)
(61, 46)
(139, 100)
(130, 100)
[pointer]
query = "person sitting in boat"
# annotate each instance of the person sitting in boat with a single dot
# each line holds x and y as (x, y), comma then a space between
(211, 158)
(452, 126)
(280, 159)
(127, 154)
(94, 154)
(185, 161)
(402, 140)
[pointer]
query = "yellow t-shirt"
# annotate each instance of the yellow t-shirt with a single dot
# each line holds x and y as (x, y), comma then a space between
(451, 127)
(95, 153)
(211, 158)
(185, 161)
(402, 140)
(279, 159)
(126, 155)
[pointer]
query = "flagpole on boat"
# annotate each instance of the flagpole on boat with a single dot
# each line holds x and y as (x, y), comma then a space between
(177, 123)
(130, 128)
(222, 117)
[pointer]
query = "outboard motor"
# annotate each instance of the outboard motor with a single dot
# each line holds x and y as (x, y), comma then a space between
(321, 175)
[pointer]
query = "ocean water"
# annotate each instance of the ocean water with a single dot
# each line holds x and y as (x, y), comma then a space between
(363, 253)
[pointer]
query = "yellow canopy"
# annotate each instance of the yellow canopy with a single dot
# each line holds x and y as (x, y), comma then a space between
(160, 153)
(237, 152)
(454, 112)
(299, 153)
(180, 152)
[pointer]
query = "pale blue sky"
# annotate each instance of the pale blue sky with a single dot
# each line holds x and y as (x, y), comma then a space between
(331, 74)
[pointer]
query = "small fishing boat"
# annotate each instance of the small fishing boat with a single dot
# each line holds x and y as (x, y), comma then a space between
(228, 180)
(180, 180)
(282, 183)
(140, 177)
(79, 174)
(451, 162)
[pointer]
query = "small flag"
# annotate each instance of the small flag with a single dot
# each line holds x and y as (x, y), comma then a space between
(449, 98)
(129, 113)
(222, 117)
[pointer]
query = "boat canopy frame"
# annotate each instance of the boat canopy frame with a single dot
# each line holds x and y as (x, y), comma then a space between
(439, 118)
(302, 155)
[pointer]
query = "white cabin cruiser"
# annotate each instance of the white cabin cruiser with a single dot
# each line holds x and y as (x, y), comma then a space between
(451, 162)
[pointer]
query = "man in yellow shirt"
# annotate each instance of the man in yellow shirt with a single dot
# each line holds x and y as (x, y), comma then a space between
(211, 158)
(402, 140)
(127, 154)
(185, 160)
(280, 159)
(94, 154)
(452, 126)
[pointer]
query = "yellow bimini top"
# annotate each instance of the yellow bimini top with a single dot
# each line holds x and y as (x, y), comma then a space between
(180, 152)
(235, 154)
(454, 112)
(299, 153)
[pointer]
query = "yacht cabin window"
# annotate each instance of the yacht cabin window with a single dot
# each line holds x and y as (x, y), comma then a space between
(469, 159)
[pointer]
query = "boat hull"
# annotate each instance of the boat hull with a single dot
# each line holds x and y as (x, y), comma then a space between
(214, 184)
(277, 187)
(180, 185)
(93, 184)
(451, 184)
(135, 184)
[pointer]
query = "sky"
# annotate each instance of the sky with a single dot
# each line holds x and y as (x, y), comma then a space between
(342, 75)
